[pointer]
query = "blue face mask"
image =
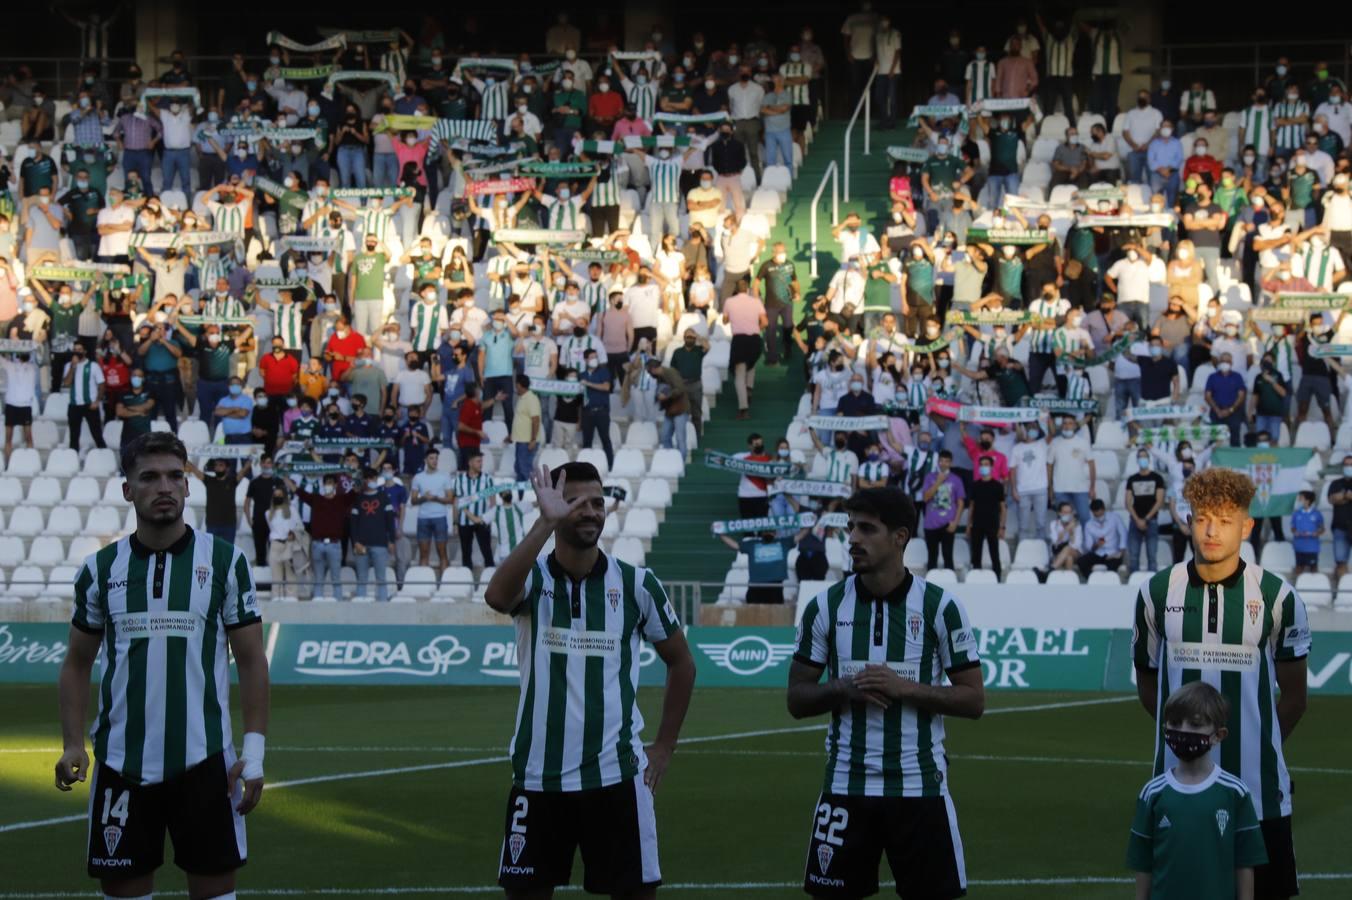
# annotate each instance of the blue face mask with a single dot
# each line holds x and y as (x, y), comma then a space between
(136, 381)
(236, 390)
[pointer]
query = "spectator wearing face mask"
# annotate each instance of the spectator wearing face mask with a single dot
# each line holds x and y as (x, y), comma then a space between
(1340, 497)
(1104, 540)
(1290, 121)
(945, 498)
(1164, 159)
(1225, 396)
(1145, 500)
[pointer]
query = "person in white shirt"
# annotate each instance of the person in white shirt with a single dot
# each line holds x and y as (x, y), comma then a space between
(1103, 155)
(413, 387)
(1141, 125)
(115, 222)
(469, 319)
(1338, 215)
(643, 300)
(391, 350)
(21, 395)
(1337, 113)
(1129, 279)
(290, 100)
(530, 122)
(1028, 481)
(855, 241)
(745, 99)
(846, 289)
(1073, 471)
(176, 125)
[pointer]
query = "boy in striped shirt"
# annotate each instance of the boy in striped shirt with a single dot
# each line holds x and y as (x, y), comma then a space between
(581, 774)
(1244, 631)
(886, 640)
(162, 604)
(509, 525)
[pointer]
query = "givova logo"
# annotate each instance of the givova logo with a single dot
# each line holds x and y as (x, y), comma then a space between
(345, 659)
(748, 655)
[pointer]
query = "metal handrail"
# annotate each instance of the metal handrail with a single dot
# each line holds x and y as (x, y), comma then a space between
(832, 172)
(866, 104)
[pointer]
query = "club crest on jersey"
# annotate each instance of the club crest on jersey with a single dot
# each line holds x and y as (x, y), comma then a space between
(913, 622)
(112, 836)
(203, 573)
(1222, 819)
(515, 845)
(613, 598)
(1255, 608)
(824, 855)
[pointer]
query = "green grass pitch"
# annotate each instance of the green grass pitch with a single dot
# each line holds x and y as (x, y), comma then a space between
(403, 789)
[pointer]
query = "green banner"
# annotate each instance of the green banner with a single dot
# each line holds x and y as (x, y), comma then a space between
(538, 236)
(1112, 352)
(1278, 473)
(554, 387)
(1168, 434)
(1020, 236)
(329, 446)
(586, 255)
(1314, 302)
(763, 523)
(1163, 411)
(848, 423)
(1324, 351)
(1278, 315)
(298, 73)
(990, 317)
(559, 169)
(909, 154)
(690, 118)
(1057, 405)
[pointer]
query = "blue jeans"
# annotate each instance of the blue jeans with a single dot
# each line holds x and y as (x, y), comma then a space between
(327, 560)
(209, 393)
(1271, 424)
(1181, 354)
(379, 558)
(1138, 170)
(525, 460)
(675, 425)
(779, 148)
(384, 169)
(885, 100)
(352, 166)
(1135, 536)
(1234, 421)
(1001, 185)
(1125, 389)
(177, 164)
(663, 218)
(1079, 500)
(1166, 185)
(450, 418)
(138, 161)
(223, 532)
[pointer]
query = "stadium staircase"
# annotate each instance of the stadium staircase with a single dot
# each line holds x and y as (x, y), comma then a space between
(686, 551)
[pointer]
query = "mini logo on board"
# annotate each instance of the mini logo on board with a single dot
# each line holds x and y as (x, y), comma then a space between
(203, 573)
(516, 844)
(1222, 819)
(112, 836)
(913, 622)
(824, 854)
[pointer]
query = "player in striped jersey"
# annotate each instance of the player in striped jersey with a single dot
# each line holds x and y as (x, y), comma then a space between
(564, 208)
(664, 201)
(472, 501)
(980, 78)
(1244, 631)
(580, 773)
(162, 604)
(1290, 119)
(84, 377)
(509, 524)
(287, 316)
(494, 93)
(220, 303)
(1058, 57)
(886, 640)
(1255, 130)
(641, 93)
(230, 205)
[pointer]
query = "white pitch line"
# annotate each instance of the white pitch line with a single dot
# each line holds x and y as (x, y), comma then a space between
(1065, 881)
(463, 763)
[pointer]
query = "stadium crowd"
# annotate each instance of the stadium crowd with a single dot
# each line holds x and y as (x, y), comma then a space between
(349, 259)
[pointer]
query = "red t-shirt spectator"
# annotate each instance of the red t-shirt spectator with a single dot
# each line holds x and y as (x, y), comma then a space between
(116, 376)
(605, 107)
(279, 375)
(999, 462)
(344, 350)
(1208, 166)
(471, 416)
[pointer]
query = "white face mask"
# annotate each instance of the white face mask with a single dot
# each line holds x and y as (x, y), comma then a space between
(1166, 132)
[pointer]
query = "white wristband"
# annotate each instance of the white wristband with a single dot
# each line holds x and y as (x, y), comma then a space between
(253, 755)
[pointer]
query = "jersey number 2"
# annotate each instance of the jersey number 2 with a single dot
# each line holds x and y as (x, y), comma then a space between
(116, 809)
(830, 822)
(522, 805)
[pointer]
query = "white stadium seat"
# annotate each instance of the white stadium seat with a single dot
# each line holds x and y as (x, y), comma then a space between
(1278, 556)
(629, 463)
(62, 463)
(83, 491)
(1021, 576)
(640, 523)
(1063, 577)
(11, 551)
(27, 581)
(981, 576)
(597, 457)
(629, 550)
(81, 548)
(1314, 588)
(11, 492)
(24, 462)
(667, 463)
(44, 491)
(27, 521)
(654, 493)
(944, 577)
(46, 551)
(65, 522)
(1030, 554)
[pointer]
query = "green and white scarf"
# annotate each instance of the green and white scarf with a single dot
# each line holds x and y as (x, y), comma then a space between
(335, 42)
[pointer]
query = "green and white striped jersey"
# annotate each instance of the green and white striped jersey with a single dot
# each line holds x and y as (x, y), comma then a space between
(920, 631)
(493, 97)
(799, 94)
(1230, 635)
(666, 179)
(917, 393)
(981, 76)
(1107, 52)
(1256, 122)
(509, 525)
(84, 383)
(607, 192)
(210, 268)
(164, 703)
(841, 465)
(465, 485)
(915, 465)
(396, 63)
(874, 471)
(578, 725)
(427, 320)
(286, 324)
(643, 96)
(1283, 350)
(1289, 137)
(1316, 264)
(501, 289)
(379, 222)
(564, 214)
(1044, 340)
(596, 294)
(222, 305)
(1077, 384)
(227, 217)
(1059, 55)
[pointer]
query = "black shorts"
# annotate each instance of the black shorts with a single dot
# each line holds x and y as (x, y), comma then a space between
(919, 835)
(802, 116)
(746, 348)
(127, 822)
(1277, 878)
(18, 415)
(613, 826)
